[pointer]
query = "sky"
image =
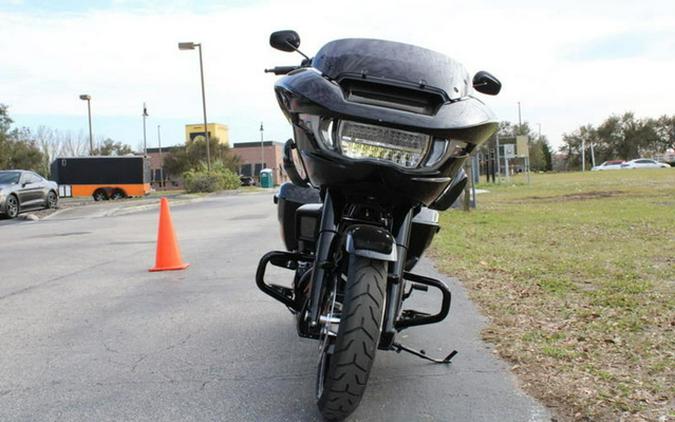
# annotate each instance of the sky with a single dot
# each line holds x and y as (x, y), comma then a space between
(568, 63)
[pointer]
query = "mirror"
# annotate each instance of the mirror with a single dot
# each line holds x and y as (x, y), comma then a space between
(285, 40)
(485, 83)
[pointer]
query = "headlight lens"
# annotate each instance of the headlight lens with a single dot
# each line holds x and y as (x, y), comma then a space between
(362, 141)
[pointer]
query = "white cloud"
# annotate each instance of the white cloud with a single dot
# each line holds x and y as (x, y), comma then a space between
(123, 58)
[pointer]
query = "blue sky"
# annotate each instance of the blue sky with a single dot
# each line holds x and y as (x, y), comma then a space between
(568, 62)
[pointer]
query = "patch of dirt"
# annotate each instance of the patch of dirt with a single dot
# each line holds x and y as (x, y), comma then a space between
(581, 196)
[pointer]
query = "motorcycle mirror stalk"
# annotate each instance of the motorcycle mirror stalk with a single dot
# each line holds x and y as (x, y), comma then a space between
(286, 40)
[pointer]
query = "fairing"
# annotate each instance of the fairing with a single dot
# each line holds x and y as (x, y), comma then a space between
(392, 70)
(393, 61)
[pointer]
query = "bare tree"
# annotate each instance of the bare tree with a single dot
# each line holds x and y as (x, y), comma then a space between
(75, 145)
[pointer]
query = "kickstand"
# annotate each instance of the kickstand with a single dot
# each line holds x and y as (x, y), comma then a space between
(422, 354)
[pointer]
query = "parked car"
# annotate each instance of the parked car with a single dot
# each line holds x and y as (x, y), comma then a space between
(644, 163)
(247, 181)
(609, 165)
(22, 190)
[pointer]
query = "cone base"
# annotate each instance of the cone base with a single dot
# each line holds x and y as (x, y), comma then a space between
(175, 268)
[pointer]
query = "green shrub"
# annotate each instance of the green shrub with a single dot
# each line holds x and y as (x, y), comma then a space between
(220, 178)
(230, 179)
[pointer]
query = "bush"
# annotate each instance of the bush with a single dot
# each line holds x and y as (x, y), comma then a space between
(220, 178)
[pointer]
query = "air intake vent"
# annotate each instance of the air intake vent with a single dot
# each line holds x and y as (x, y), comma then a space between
(400, 98)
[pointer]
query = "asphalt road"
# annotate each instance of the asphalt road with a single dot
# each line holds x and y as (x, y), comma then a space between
(87, 333)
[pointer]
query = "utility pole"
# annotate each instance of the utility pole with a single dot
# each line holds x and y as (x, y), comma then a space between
(592, 155)
(262, 147)
(161, 162)
(499, 170)
(583, 155)
(506, 165)
(520, 120)
(145, 141)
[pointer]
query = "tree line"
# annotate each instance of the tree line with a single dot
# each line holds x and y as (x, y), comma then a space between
(619, 137)
(21, 148)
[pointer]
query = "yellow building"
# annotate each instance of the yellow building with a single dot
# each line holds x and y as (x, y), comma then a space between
(216, 130)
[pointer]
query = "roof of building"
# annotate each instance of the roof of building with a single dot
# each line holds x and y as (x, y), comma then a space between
(256, 144)
(165, 149)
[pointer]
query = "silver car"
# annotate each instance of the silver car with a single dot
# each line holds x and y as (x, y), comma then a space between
(22, 190)
(644, 163)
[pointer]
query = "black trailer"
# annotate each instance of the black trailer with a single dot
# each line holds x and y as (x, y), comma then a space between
(102, 177)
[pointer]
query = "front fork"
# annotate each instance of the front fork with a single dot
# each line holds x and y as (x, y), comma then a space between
(323, 263)
(395, 282)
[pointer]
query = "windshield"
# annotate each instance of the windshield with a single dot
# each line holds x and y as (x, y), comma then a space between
(9, 177)
(358, 57)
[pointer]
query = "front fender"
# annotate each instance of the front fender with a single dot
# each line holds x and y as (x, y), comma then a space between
(370, 242)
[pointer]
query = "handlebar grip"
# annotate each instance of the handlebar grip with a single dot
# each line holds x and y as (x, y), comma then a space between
(281, 70)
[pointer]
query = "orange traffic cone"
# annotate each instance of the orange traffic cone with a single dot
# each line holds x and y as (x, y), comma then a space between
(168, 255)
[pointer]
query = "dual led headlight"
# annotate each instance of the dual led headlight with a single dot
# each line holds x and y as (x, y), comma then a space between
(362, 141)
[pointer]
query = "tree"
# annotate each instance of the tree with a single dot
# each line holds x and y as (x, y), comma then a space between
(17, 149)
(575, 141)
(110, 147)
(665, 131)
(193, 155)
(548, 154)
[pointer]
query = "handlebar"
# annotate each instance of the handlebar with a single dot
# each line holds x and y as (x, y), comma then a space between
(281, 70)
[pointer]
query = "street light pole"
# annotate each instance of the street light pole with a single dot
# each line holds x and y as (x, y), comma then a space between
(583, 155)
(161, 163)
(87, 98)
(191, 46)
(145, 141)
(262, 147)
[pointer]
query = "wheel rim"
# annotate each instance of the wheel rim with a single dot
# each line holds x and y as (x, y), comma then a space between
(51, 199)
(12, 206)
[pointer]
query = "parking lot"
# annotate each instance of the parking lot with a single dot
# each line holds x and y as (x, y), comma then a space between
(89, 334)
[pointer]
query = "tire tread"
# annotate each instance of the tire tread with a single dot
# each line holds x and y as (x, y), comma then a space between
(357, 339)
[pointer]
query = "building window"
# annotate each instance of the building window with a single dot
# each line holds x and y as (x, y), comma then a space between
(259, 167)
(245, 170)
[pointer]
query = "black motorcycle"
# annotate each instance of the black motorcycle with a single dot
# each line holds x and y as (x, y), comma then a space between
(381, 132)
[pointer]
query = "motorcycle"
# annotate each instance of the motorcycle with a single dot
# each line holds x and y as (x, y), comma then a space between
(381, 132)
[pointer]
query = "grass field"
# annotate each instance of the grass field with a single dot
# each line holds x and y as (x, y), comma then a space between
(577, 274)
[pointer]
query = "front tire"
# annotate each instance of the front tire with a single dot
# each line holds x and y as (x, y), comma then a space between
(100, 195)
(353, 354)
(12, 207)
(52, 200)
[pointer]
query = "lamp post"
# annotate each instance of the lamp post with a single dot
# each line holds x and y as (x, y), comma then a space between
(87, 98)
(262, 147)
(145, 139)
(161, 162)
(191, 46)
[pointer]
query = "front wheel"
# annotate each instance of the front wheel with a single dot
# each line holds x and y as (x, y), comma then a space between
(100, 195)
(52, 200)
(12, 206)
(345, 360)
